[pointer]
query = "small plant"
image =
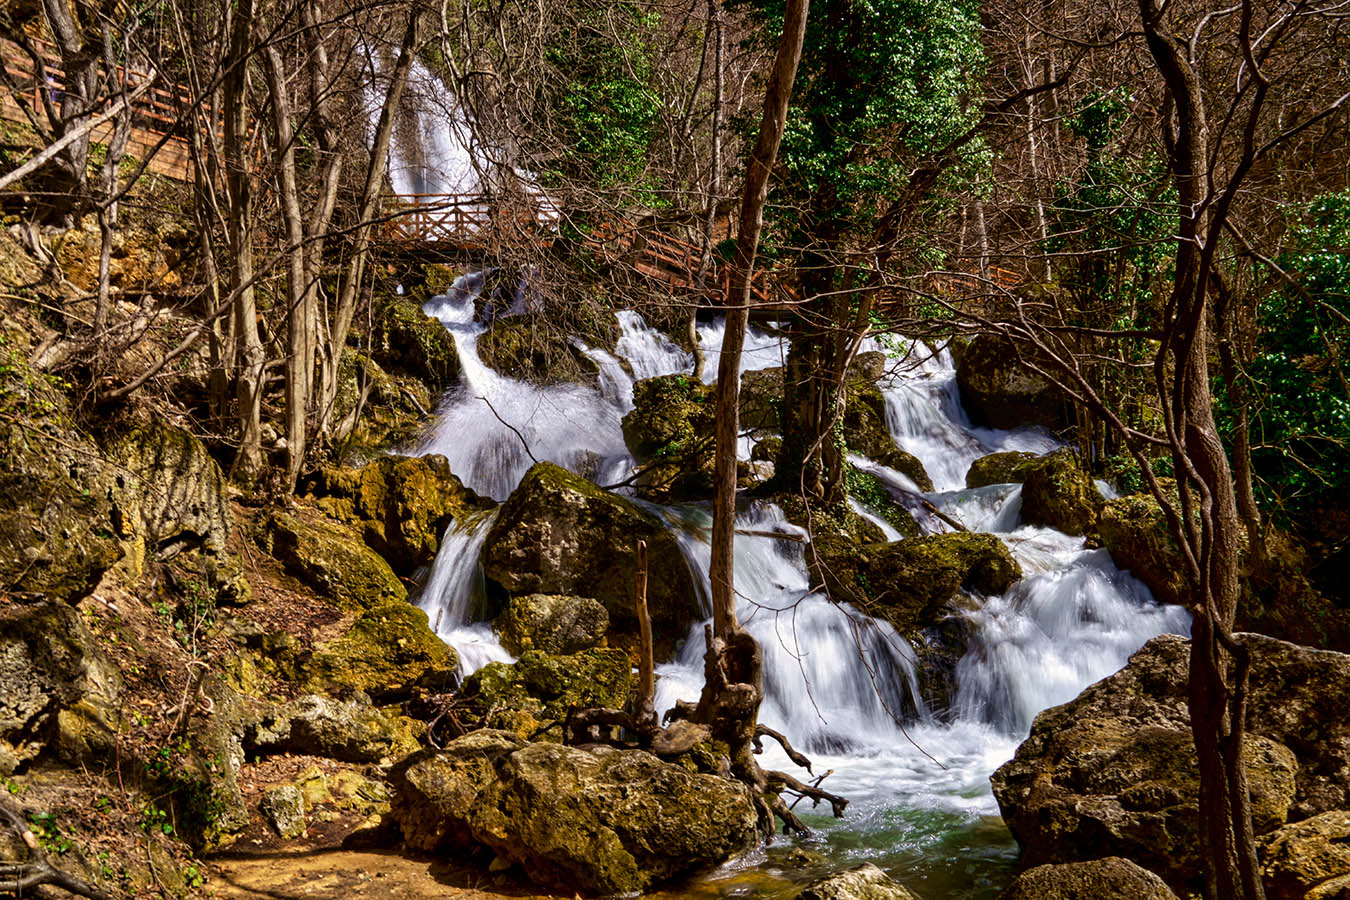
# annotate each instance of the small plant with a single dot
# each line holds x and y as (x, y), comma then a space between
(154, 819)
(48, 833)
(193, 877)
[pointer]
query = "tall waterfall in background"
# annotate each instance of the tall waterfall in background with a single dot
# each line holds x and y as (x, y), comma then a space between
(841, 685)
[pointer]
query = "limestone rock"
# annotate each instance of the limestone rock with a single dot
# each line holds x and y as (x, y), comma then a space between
(999, 390)
(870, 491)
(670, 431)
(560, 534)
(349, 730)
(1308, 859)
(401, 505)
(603, 821)
(1113, 772)
(1058, 493)
(997, 468)
(864, 882)
(526, 348)
(865, 431)
(333, 560)
(1135, 533)
(1112, 878)
(56, 687)
(284, 808)
(388, 649)
(544, 687)
(405, 339)
(552, 623)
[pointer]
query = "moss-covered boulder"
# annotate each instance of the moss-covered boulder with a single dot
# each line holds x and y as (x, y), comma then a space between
(1135, 532)
(59, 532)
(553, 623)
(1114, 772)
(531, 348)
(333, 560)
(58, 691)
(560, 534)
(864, 882)
(670, 432)
(868, 490)
(761, 399)
(284, 809)
(351, 730)
(1000, 390)
(401, 505)
(374, 409)
(1058, 493)
(865, 431)
(406, 340)
(540, 689)
(911, 581)
(1308, 860)
(1112, 878)
(606, 821)
(997, 468)
(388, 650)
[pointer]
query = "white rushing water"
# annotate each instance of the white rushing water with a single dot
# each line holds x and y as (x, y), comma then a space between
(841, 685)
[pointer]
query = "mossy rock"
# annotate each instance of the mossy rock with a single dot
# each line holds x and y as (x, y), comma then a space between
(405, 339)
(998, 389)
(546, 687)
(670, 432)
(389, 408)
(1135, 532)
(349, 730)
(1058, 493)
(560, 534)
(530, 348)
(827, 520)
(333, 560)
(1112, 878)
(864, 882)
(910, 582)
(762, 399)
(387, 651)
(552, 623)
(402, 505)
(865, 432)
(60, 532)
(998, 468)
(869, 490)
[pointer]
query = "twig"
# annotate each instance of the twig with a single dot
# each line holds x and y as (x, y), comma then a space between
(524, 443)
(943, 516)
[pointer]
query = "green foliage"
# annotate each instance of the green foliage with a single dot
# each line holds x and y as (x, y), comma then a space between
(1300, 417)
(49, 834)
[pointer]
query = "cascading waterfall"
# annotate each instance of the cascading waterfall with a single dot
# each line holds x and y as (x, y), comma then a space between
(841, 685)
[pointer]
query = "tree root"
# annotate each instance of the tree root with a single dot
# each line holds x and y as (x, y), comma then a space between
(813, 792)
(21, 878)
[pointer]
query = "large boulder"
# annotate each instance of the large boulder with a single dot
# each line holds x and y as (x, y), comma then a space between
(1000, 390)
(405, 339)
(59, 531)
(865, 431)
(864, 882)
(333, 560)
(387, 651)
(910, 582)
(541, 689)
(553, 623)
(1114, 772)
(1112, 878)
(997, 468)
(1135, 532)
(401, 505)
(533, 349)
(57, 689)
(600, 821)
(352, 730)
(1058, 493)
(560, 534)
(670, 432)
(1308, 860)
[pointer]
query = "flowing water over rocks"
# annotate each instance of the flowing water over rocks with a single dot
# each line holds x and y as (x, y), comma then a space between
(842, 685)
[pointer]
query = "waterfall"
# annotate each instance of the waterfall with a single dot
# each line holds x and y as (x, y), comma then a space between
(842, 685)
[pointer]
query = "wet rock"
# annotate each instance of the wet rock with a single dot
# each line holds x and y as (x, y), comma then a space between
(999, 390)
(57, 689)
(553, 623)
(911, 581)
(865, 882)
(1112, 878)
(1308, 860)
(997, 468)
(350, 730)
(603, 821)
(761, 399)
(872, 493)
(388, 650)
(333, 560)
(405, 339)
(284, 809)
(59, 532)
(542, 688)
(1135, 532)
(532, 349)
(560, 534)
(401, 505)
(1058, 493)
(1114, 772)
(670, 432)
(865, 431)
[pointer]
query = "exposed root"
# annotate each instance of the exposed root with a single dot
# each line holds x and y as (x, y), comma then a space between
(813, 792)
(22, 878)
(763, 731)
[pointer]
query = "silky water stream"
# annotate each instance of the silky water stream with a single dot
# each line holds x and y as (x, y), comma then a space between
(841, 685)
